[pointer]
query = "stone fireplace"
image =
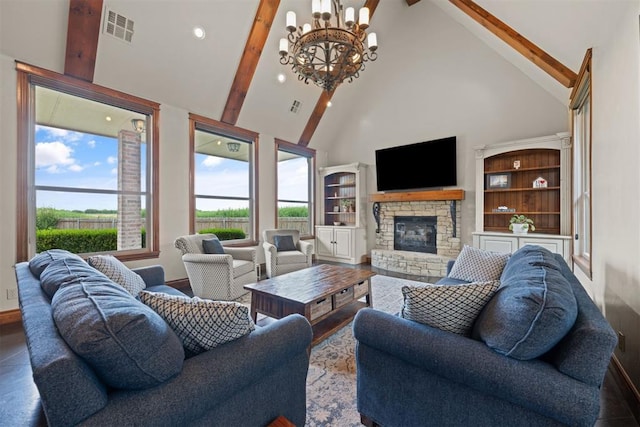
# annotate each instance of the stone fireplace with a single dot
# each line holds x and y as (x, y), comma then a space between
(437, 220)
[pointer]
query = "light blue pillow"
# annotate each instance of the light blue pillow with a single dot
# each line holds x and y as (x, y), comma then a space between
(65, 271)
(38, 263)
(127, 344)
(533, 309)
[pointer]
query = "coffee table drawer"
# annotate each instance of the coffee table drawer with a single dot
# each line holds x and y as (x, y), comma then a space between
(343, 297)
(360, 289)
(320, 308)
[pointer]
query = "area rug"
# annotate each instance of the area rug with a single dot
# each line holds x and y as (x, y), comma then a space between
(331, 381)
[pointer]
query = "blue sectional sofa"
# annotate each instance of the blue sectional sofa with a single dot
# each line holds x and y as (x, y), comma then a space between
(412, 374)
(246, 382)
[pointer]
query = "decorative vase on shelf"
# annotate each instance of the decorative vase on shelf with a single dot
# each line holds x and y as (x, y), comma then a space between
(520, 224)
(520, 228)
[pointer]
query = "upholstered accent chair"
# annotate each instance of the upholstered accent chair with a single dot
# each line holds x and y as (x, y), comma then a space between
(283, 254)
(219, 276)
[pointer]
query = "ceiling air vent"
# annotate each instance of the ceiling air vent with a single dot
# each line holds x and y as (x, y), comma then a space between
(118, 26)
(295, 106)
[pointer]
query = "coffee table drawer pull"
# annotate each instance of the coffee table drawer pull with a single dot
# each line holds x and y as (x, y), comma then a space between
(343, 297)
(320, 308)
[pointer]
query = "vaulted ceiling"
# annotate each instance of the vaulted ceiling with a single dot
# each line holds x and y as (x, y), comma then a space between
(231, 75)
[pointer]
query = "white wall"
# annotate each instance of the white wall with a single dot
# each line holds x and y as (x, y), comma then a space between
(616, 184)
(8, 172)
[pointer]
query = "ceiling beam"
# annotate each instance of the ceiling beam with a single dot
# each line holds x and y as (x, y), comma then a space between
(316, 115)
(83, 30)
(246, 68)
(542, 59)
(325, 97)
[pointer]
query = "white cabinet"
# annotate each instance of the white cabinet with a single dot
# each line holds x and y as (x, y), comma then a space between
(341, 243)
(509, 243)
(341, 233)
(502, 244)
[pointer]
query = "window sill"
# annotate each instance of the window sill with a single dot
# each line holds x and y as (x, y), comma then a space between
(124, 256)
(583, 264)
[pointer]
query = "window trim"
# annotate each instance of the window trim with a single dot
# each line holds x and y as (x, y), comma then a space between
(28, 75)
(581, 90)
(282, 145)
(198, 122)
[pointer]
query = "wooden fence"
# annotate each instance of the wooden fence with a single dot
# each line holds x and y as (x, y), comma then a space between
(300, 224)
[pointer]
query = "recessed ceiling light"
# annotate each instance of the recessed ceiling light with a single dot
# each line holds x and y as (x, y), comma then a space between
(219, 142)
(282, 78)
(198, 32)
(108, 118)
(329, 104)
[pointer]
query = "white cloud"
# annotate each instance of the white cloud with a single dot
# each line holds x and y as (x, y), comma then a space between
(76, 168)
(112, 160)
(67, 135)
(211, 161)
(225, 182)
(97, 163)
(53, 154)
(91, 143)
(114, 171)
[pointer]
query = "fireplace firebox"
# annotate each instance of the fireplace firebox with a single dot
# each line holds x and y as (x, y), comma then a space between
(415, 233)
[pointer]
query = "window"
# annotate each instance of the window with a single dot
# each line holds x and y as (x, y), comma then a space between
(295, 187)
(224, 190)
(87, 166)
(580, 104)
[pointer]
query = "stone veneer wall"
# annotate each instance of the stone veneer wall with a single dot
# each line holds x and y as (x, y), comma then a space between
(129, 180)
(417, 263)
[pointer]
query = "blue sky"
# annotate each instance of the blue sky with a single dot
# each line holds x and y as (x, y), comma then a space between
(78, 160)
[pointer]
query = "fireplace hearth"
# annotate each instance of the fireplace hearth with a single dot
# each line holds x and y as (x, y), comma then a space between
(415, 233)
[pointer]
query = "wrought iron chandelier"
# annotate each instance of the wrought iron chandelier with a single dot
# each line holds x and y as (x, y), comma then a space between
(328, 54)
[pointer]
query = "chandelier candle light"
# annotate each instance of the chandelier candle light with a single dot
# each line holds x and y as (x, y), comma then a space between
(326, 54)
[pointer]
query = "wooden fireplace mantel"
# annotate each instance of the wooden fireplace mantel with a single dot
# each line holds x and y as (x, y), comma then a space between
(413, 196)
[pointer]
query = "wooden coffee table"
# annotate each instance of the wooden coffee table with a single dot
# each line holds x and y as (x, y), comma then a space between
(327, 295)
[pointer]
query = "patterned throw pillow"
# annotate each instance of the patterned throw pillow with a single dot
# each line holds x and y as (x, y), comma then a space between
(201, 324)
(478, 265)
(111, 267)
(452, 308)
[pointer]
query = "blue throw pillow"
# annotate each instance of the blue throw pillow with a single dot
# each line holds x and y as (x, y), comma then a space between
(65, 271)
(284, 243)
(212, 246)
(533, 309)
(38, 263)
(127, 344)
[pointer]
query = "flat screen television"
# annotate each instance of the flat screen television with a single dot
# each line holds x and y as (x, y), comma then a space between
(415, 166)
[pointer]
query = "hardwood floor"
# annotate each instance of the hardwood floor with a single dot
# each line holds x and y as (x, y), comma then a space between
(20, 401)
